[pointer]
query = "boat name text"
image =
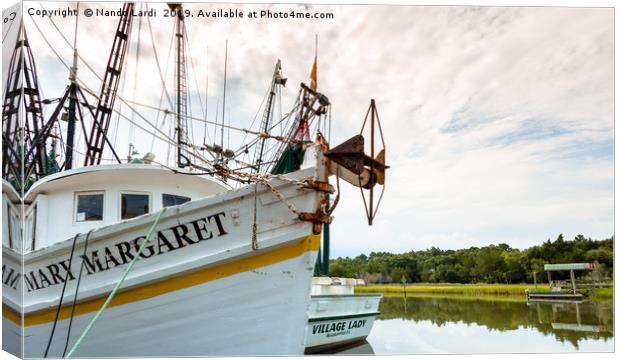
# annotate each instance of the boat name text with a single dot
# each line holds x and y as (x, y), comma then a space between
(109, 257)
(337, 328)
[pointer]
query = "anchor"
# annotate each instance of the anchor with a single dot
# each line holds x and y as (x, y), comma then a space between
(349, 162)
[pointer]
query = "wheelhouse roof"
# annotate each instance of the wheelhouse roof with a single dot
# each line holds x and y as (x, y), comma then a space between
(99, 173)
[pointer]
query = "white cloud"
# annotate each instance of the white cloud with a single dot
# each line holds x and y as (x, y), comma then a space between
(499, 121)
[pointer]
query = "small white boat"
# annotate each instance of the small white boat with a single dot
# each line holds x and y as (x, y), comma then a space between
(337, 318)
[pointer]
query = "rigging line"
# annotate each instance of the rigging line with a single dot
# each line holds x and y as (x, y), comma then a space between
(62, 295)
(164, 138)
(71, 46)
(126, 102)
(9, 30)
(148, 238)
(169, 147)
(191, 62)
(135, 79)
(161, 95)
(163, 121)
(48, 43)
(217, 111)
(96, 123)
(280, 106)
(214, 172)
(130, 108)
(190, 129)
(228, 141)
(84, 86)
(77, 289)
(191, 114)
(161, 77)
(273, 126)
(273, 151)
(206, 109)
(120, 107)
(236, 128)
(255, 116)
(255, 140)
(84, 154)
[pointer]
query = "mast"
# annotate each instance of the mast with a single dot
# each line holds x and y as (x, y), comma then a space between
(181, 86)
(71, 119)
(95, 142)
(22, 119)
(276, 80)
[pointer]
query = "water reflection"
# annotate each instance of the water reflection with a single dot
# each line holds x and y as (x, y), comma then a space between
(360, 348)
(474, 325)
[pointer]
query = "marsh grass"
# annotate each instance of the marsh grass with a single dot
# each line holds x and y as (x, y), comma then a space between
(602, 294)
(463, 289)
(461, 297)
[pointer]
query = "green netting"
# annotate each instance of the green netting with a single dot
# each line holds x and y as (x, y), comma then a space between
(290, 160)
(52, 165)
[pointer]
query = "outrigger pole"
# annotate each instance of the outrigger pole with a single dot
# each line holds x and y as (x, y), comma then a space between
(276, 80)
(95, 142)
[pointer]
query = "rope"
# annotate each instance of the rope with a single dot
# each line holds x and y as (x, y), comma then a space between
(62, 295)
(254, 225)
(118, 285)
(131, 134)
(77, 289)
(161, 76)
(8, 30)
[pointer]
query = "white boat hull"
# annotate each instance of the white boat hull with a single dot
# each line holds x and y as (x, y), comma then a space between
(203, 287)
(339, 320)
(252, 313)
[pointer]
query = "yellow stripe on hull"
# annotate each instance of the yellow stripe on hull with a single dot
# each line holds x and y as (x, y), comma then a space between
(310, 243)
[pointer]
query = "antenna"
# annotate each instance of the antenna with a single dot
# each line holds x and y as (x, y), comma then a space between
(224, 99)
(204, 141)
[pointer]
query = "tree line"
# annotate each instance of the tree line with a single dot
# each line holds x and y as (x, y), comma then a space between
(489, 264)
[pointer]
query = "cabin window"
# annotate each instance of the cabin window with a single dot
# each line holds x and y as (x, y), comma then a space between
(89, 207)
(171, 200)
(133, 205)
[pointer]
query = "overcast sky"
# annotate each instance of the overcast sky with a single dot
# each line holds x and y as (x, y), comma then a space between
(498, 121)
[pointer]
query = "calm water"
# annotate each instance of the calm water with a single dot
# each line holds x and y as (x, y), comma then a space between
(452, 325)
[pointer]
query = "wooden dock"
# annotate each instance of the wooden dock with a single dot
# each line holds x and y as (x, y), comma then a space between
(553, 296)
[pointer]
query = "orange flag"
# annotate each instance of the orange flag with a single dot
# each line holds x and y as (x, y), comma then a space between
(313, 80)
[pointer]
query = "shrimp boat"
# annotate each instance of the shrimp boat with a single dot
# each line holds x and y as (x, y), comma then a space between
(136, 257)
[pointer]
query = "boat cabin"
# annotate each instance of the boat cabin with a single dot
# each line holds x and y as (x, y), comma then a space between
(61, 205)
